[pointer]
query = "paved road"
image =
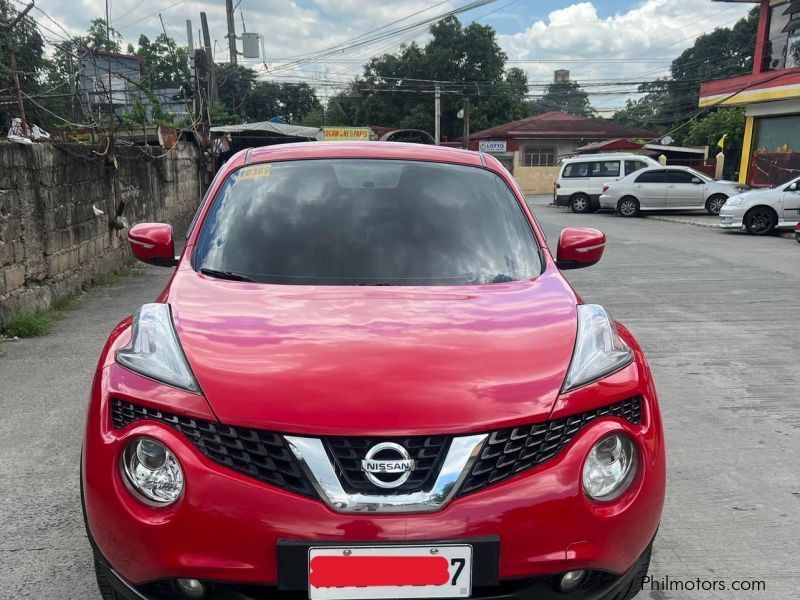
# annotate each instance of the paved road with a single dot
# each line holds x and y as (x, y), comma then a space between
(715, 312)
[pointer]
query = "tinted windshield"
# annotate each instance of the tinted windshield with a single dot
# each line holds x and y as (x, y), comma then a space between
(368, 222)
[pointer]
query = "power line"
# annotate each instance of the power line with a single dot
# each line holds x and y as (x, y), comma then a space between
(153, 14)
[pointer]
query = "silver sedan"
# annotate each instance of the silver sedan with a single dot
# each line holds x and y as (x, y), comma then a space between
(674, 188)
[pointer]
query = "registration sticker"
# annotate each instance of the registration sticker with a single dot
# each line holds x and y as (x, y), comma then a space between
(390, 572)
(255, 171)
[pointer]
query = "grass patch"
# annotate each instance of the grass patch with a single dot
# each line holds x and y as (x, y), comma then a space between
(30, 324)
(109, 279)
(40, 322)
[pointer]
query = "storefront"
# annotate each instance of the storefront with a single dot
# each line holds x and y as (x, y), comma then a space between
(771, 97)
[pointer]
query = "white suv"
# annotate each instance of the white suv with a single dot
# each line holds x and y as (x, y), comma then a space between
(581, 179)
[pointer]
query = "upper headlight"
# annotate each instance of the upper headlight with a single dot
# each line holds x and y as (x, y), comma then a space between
(154, 350)
(609, 468)
(599, 351)
(735, 201)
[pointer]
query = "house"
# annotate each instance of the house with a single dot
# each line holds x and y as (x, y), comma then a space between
(109, 78)
(531, 148)
(126, 75)
(770, 95)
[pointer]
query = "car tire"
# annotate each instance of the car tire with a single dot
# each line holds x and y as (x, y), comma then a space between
(642, 567)
(715, 203)
(103, 583)
(580, 203)
(761, 221)
(628, 207)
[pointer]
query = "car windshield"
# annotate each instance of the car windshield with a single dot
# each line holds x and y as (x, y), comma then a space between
(700, 175)
(367, 222)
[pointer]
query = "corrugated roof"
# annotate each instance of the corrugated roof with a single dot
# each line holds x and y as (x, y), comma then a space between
(562, 125)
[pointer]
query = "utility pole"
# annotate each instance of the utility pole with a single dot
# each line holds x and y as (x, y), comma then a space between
(465, 136)
(12, 60)
(73, 88)
(192, 65)
(213, 93)
(108, 49)
(438, 111)
(238, 104)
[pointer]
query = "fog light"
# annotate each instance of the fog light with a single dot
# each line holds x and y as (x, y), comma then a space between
(572, 580)
(191, 588)
(152, 471)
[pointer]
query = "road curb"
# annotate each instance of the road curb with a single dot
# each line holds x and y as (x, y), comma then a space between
(667, 219)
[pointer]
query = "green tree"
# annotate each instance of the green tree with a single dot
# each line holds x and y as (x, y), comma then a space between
(564, 96)
(670, 101)
(167, 64)
(266, 99)
(97, 37)
(396, 89)
(28, 45)
(708, 130)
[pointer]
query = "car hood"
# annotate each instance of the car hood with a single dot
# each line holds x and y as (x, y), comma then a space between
(761, 194)
(376, 361)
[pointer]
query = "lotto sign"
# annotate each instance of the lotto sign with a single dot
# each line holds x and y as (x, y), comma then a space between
(346, 133)
(492, 146)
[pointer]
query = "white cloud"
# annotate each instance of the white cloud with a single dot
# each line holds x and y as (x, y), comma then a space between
(654, 32)
(654, 29)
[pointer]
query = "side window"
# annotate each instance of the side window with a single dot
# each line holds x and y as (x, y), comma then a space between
(606, 168)
(652, 177)
(631, 166)
(574, 170)
(679, 177)
(539, 157)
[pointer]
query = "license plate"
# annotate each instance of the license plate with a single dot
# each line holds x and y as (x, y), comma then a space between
(361, 573)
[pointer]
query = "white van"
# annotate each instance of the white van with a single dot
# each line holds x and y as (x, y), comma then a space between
(581, 179)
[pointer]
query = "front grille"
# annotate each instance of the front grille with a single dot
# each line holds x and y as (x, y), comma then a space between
(262, 455)
(347, 453)
(265, 456)
(508, 452)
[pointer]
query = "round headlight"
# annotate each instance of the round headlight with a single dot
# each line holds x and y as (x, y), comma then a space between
(609, 468)
(152, 471)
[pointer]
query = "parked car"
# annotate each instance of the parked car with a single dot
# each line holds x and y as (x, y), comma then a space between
(581, 178)
(660, 188)
(368, 378)
(763, 211)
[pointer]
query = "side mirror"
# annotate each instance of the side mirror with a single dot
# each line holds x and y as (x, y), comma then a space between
(580, 247)
(697, 180)
(153, 243)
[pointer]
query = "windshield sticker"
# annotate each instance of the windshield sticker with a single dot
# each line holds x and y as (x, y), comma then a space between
(255, 172)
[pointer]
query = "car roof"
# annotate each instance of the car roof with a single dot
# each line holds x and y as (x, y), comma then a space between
(608, 155)
(375, 150)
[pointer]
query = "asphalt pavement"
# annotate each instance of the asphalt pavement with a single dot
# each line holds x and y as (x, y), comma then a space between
(715, 312)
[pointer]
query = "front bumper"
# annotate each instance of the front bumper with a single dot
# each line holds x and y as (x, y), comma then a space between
(598, 586)
(228, 528)
(729, 219)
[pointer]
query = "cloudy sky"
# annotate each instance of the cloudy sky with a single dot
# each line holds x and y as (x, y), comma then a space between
(600, 40)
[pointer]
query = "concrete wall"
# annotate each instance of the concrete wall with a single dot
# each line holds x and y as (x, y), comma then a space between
(51, 242)
(540, 180)
(535, 180)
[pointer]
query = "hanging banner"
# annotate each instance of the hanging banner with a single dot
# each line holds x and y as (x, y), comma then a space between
(346, 133)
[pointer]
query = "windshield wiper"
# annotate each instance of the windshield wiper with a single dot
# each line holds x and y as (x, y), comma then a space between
(225, 275)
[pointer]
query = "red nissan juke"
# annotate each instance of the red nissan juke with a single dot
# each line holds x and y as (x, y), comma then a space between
(368, 378)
